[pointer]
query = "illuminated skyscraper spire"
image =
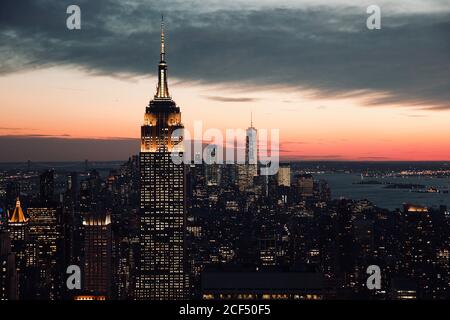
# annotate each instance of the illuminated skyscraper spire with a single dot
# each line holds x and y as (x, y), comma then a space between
(162, 91)
(162, 54)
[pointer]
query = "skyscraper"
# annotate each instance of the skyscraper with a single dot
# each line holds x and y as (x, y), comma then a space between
(8, 272)
(97, 245)
(212, 169)
(305, 185)
(161, 274)
(18, 231)
(47, 186)
(284, 175)
(72, 221)
(247, 171)
(45, 244)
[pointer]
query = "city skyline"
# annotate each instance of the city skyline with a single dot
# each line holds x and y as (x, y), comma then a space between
(198, 212)
(324, 79)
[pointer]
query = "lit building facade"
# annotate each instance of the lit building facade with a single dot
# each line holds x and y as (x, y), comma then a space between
(97, 250)
(418, 248)
(305, 185)
(18, 231)
(284, 175)
(45, 241)
(161, 274)
(247, 171)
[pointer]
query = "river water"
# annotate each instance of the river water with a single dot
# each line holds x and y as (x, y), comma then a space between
(343, 185)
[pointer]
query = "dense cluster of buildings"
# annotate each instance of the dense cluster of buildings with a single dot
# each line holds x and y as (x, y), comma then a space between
(282, 238)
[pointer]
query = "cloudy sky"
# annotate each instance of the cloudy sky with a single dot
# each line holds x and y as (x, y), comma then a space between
(335, 89)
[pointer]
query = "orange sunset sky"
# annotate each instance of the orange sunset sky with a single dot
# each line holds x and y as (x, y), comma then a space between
(73, 104)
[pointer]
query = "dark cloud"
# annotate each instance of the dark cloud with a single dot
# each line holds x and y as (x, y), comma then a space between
(315, 157)
(374, 158)
(18, 148)
(13, 129)
(230, 99)
(44, 148)
(293, 142)
(415, 115)
(327, 50)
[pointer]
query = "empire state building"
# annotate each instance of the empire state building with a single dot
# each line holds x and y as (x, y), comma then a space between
(161, 270)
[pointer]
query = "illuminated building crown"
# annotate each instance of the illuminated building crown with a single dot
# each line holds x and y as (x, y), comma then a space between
(162, 90)
(18, 216)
